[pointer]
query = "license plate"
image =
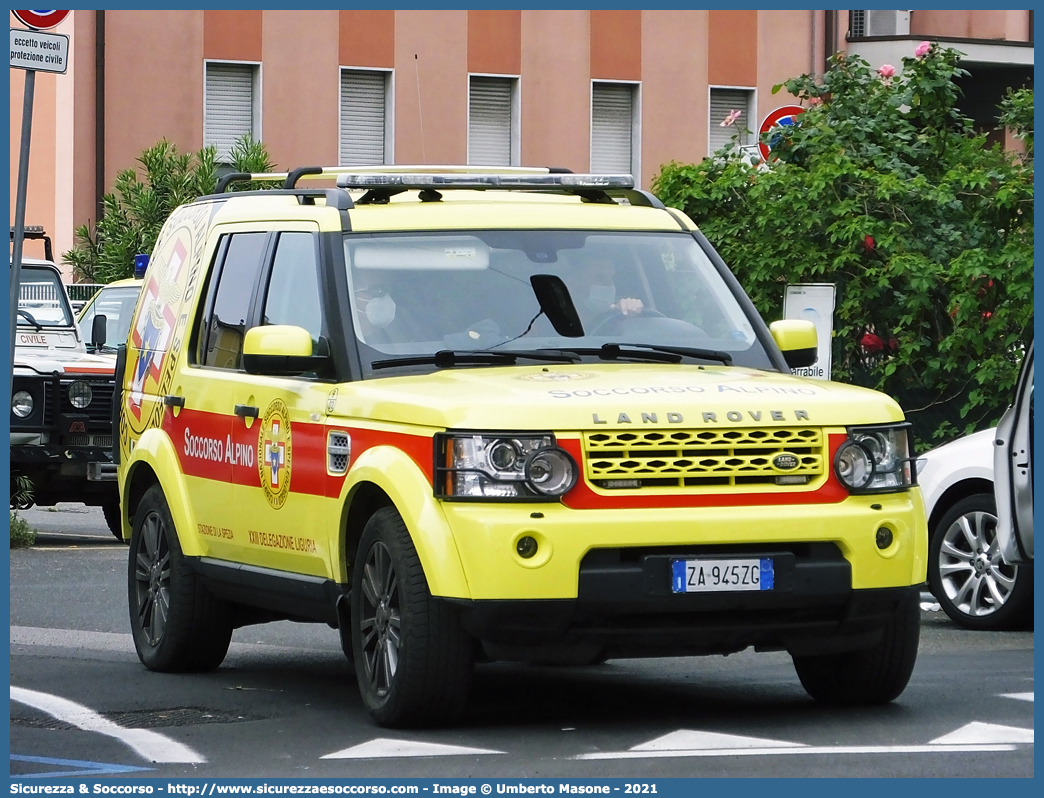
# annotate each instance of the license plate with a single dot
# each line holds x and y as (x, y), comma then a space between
(717, 576)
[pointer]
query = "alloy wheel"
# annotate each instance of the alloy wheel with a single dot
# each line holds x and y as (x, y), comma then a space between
(152, 578)
(973, 575)
(381, 621)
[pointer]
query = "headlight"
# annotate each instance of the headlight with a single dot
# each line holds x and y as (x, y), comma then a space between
(502, 466)
(80, 394)
(876, 459)
(22, 404)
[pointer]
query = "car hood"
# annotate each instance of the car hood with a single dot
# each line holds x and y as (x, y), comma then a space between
(65, 363)
(565, 397)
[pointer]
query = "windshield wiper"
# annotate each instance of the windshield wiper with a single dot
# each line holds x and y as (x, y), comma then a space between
(686, 351)
(29, 317)
(447, 358)
(650, 352)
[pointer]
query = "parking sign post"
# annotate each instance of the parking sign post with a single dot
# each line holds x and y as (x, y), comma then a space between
(30, 50)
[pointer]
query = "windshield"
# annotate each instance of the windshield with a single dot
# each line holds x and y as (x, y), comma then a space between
(117, 306)
(417, 294)
(42, 297)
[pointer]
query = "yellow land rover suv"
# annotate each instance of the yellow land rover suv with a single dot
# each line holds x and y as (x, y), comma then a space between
(467, 415)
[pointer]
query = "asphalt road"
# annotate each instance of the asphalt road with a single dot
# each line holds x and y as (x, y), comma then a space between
(284, 703)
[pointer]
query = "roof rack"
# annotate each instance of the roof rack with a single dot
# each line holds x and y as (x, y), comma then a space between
(384, 182)
(35, 232)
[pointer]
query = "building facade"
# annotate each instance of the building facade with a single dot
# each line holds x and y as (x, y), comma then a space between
(601, 91)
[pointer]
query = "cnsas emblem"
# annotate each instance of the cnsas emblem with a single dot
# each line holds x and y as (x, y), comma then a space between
(274, 454)
(785, 462)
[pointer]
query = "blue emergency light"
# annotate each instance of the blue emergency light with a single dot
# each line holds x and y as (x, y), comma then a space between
(141, 263)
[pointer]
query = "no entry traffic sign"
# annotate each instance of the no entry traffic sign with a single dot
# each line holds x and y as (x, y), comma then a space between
(41, 20)
(780, 117)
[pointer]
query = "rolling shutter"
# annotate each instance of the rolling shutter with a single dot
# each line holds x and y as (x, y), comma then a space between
(722, 101)
(489, 121)
(362, 117)
(612, 119)
(229, 106)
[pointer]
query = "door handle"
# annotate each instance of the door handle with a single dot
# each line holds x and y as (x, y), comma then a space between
(170, 400)
(246, 411)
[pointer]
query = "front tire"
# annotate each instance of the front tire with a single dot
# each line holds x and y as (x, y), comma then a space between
(872, 676)
(113, 520)
(177, 624)
(413, 659)
(971, 582)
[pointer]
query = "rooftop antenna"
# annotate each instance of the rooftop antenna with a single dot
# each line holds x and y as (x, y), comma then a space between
(420, 108)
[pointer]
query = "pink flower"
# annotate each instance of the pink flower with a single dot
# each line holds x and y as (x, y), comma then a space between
(815, 101)
(886, 70)
(922, 49)
(730, 119)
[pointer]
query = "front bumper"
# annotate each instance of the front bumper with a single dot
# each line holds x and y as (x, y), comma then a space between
(806, 621)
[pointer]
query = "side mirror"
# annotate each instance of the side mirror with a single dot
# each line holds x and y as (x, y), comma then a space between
(796, 339)
(98, 331)
(280, 350)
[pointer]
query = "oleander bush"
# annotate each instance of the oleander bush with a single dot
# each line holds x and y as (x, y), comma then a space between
(885, 189)
(135, 211)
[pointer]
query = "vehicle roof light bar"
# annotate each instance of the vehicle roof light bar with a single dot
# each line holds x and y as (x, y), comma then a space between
(415, 181)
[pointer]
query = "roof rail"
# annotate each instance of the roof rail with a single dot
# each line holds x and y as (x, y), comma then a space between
(35, 232)
(381, 183)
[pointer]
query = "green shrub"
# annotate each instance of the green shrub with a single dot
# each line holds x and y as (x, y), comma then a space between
(22, 535)
(135, 212)
(885, 190)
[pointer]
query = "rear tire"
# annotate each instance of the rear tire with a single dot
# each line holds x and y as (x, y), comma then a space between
(113, 519)
(875, 675)
(177, 624)
(413, 659)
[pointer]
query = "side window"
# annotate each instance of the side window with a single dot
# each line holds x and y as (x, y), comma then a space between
(293, 288)
(230, 313)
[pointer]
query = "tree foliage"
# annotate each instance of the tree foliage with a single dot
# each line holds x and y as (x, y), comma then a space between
(885, 190)
(135, 211)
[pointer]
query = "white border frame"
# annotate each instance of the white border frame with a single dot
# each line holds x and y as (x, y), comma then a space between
(256, 85)
(636, 125)
(389, 109)
(752, 124)
(516, 115)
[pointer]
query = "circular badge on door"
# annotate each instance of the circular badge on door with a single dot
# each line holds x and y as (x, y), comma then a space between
(274, 453)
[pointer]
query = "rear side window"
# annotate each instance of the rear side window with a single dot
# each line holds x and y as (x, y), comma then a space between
(229, 315)
(293, 288)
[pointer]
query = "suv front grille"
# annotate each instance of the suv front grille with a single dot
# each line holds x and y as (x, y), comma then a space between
(99, 411)
(625, 460)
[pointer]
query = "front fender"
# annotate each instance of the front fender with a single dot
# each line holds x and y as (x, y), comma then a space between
(155, 449)
(410, 491)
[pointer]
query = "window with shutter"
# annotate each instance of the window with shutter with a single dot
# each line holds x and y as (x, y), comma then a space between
(490, 125)
(722, 103)
(856, 24)
(229, 106)
(612, 128)
(363, 117)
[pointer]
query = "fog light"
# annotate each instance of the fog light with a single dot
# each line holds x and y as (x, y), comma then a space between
(80, 394)
(884, 537)
(526, 547)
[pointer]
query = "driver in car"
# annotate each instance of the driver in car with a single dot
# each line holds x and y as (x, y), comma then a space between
(595, 293)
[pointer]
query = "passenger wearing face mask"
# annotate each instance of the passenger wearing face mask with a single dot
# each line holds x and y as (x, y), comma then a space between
(595, 295)
(375, 307)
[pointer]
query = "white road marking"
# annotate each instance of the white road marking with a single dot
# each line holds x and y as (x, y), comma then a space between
(1019, 696)
(800, 749)
(383, 748)
(686, 740)
(124, 643)
(985, 733)
(150, 745)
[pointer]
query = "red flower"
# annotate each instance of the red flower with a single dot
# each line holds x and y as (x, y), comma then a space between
(987, 315)
(871, 343)
(868, 243)
(892, 344)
